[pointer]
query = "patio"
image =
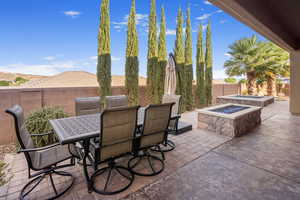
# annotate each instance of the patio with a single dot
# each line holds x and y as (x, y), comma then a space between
(260, 165)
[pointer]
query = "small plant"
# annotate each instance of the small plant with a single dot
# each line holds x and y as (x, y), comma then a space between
(38, 122)
(4, 83)
(3, 179)
(20, 81)
(230, 80)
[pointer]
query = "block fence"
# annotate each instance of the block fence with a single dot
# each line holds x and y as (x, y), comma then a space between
(34, 98)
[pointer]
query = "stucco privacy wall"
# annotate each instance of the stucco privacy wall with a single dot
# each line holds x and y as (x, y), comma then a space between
(31, 99)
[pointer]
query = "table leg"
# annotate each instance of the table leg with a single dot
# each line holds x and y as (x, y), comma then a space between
(86, 146)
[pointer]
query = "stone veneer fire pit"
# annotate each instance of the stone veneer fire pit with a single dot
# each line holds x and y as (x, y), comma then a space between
(231, 120)
(260, 101)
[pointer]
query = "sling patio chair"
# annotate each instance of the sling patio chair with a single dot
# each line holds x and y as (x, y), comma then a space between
(110, 102)
(44, 160)
(169, 145)
(87, 105)
(116, 101)
(153, 134)
(117, 135)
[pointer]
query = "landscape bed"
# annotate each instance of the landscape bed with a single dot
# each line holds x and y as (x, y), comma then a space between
(260, 101)
(231, 120)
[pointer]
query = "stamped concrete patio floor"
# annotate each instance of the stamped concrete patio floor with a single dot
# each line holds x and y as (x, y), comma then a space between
(265, 164)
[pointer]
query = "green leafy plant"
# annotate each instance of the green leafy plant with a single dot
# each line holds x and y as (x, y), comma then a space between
(3, 178)
(4, 83)
(230, 80)
(37, 122)
(20, 81)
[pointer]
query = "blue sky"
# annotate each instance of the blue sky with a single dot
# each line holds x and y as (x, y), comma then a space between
(51, 36)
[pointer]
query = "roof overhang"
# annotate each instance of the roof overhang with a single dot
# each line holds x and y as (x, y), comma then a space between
(276, 20)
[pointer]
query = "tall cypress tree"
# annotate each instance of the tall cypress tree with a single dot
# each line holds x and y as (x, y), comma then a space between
(208, 64)
(152, 55)
(179, 58)
(104, 56)
(162, 57)
(188, 63)
(132, 62)
(200, 71)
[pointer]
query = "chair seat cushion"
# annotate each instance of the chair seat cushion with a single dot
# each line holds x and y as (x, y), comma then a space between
(48, 157)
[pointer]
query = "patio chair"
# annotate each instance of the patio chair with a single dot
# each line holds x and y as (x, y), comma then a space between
(87, 105)
(117, 134)
(43, 160)
(116, 101)
(153, 134)
(173, 126)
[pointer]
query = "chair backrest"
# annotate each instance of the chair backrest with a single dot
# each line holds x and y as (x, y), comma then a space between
(172, 99)
(87, 105)
(118, 127)
(156, 122)
(22, 134)
(119, 101)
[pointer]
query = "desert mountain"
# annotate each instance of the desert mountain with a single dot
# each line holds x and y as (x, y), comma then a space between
(75, 79)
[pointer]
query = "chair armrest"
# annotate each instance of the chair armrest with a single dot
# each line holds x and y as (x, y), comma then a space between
(42, 134)
(176, 117)
(38, 149)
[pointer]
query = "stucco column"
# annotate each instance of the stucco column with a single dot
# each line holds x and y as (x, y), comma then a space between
(295, 83)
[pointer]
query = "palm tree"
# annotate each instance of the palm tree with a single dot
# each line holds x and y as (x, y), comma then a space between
(275, 63)
(244, 58)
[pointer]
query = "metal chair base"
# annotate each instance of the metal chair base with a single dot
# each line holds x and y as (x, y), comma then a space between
(168, 146)
(132, 164)
(112, 167)
(36, 181)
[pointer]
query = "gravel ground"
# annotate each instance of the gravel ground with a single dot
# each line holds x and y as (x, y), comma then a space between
(11, 148)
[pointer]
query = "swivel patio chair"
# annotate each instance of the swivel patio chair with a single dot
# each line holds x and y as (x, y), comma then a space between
(110, 102)
(153, 134)
(43, 160)
(119, 101)
(117, 136)
(169, 145)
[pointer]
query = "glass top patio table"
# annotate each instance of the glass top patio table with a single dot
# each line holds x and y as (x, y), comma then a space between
(74, 129)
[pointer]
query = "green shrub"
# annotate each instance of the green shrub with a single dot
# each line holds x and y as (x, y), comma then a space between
(38, 122)
(3, 179)
(4, 83)
(20, 80)
(230, 80)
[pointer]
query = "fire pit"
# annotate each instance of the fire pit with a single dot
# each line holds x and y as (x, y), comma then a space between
(232, 120)
(260, 101)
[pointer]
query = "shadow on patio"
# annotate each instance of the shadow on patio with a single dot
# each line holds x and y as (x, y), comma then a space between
(261, 165)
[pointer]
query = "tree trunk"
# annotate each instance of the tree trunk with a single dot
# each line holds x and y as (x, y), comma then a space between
(271, 88)
(251, 82)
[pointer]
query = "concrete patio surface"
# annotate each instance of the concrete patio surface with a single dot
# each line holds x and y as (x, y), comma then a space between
(264, 164)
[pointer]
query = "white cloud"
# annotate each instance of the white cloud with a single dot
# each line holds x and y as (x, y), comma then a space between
(113, 58)
(227, 54)
(207, 15)
(171, 32)
(207, 2)
(49, 58)
(141, 20)
(39, 69)
(72, 13)
(94, 57)
(219, 74)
